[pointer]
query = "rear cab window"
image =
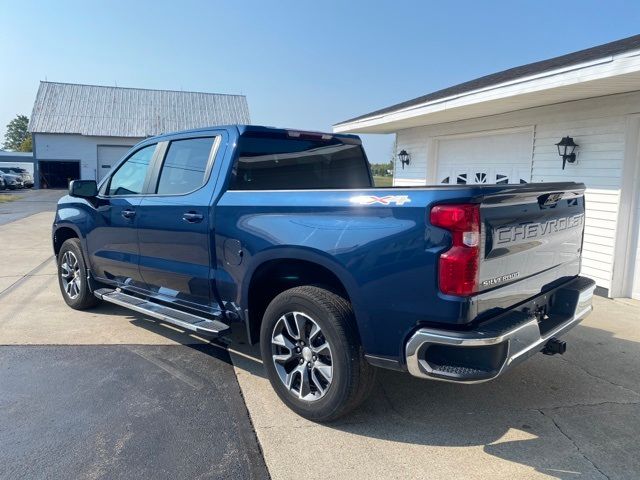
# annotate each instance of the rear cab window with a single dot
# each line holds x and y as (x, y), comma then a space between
(295, 160)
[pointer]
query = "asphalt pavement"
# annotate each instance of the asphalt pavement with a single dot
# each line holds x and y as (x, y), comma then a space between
(26, 202)
(125, 411)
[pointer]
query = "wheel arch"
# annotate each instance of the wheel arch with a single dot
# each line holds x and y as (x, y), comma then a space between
(279, 269)
(64, 232)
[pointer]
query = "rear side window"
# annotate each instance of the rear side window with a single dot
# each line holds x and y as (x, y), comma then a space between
(267, 163)
(130, 176)
(185, 166)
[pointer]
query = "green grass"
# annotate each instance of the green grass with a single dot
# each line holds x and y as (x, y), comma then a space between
(383, 181)
(6, 198)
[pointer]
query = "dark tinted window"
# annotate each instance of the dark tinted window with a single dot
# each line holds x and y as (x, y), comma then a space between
(267, 163)
(185, 166)
(129, 178)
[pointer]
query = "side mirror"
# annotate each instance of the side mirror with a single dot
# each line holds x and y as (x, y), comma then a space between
(83, 188)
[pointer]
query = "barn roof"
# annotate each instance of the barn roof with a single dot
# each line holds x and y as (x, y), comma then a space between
(130, 112)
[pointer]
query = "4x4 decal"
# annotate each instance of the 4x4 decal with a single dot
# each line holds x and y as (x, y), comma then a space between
(386, 200)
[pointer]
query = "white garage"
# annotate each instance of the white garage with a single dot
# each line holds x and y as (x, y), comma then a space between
(503, 128)
(108, 156)
(80, 131)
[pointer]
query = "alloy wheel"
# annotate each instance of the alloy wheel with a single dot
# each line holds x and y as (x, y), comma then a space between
(70, 275)
(302, 356)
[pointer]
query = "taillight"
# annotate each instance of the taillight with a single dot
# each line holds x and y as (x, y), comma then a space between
(458, 266)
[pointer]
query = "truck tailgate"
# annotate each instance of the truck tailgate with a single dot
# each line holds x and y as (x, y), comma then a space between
(531, 240)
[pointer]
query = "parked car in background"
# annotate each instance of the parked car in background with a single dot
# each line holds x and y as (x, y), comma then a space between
(12, 182)
(25, 176)
(3, 184)
(284, 231)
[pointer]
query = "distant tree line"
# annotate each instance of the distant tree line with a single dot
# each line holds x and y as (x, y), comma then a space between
(382, 169)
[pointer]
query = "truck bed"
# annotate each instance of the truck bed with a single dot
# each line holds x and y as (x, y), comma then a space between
(380, 244)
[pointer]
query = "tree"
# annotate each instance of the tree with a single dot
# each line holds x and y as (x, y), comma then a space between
(26, 145)
(381, 169)
(16, 136)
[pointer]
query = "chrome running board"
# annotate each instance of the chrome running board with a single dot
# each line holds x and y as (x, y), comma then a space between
(170, 315)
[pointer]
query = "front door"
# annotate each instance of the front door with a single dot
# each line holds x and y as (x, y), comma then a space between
(174, 223)
(113, 242)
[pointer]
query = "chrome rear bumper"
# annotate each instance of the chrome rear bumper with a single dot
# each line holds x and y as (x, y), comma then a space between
(483, 354)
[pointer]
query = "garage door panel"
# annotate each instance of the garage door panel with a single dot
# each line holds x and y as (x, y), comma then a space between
(108, 156)
(500, 158)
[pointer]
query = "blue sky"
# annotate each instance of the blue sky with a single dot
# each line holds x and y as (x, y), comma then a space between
(301, 64)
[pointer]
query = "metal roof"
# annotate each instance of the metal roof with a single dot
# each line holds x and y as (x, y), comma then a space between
(582, 56)
(130, 112)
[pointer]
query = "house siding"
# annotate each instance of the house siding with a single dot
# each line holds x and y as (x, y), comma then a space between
(599, 166)
(597, 125)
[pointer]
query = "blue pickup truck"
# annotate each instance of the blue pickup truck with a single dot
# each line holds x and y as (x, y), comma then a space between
(284, 231)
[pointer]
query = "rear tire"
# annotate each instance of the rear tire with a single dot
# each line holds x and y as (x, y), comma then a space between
(312, 353)
(72, 276)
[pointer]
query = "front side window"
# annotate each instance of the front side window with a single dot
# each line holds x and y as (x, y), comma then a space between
(185, 166)
(130, 176)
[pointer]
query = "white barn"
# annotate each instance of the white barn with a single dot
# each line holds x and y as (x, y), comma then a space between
(80, 131)
(503, 128)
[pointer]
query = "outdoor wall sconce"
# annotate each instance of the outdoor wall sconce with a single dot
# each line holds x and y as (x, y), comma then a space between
(566, 149)
(404, 157)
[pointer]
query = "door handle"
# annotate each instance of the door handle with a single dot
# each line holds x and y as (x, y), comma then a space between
(192, 217)
(128, 213)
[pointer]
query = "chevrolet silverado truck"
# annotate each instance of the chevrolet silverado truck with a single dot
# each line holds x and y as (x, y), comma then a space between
(283, 231)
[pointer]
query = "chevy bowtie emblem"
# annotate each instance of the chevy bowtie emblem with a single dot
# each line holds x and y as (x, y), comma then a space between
(386, 200)
(550, 199)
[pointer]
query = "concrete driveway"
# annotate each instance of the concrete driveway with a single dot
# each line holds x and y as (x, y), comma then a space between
(575, 416)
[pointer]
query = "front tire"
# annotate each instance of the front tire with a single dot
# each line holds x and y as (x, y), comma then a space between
(72, 276)
(312, 354)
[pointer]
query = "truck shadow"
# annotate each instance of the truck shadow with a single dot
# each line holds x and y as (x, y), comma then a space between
(532, 416)
(218, 348)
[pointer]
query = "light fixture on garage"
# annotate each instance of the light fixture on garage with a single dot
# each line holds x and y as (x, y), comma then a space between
(404, 157)
(566, 149)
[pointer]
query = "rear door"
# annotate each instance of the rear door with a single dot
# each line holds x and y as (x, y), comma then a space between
(174, 224)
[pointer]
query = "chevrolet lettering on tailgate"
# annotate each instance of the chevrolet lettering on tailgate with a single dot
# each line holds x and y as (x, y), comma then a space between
(530, 231)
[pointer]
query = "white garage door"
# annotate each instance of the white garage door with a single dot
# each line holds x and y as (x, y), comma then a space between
(108, 156)
(495, 158)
